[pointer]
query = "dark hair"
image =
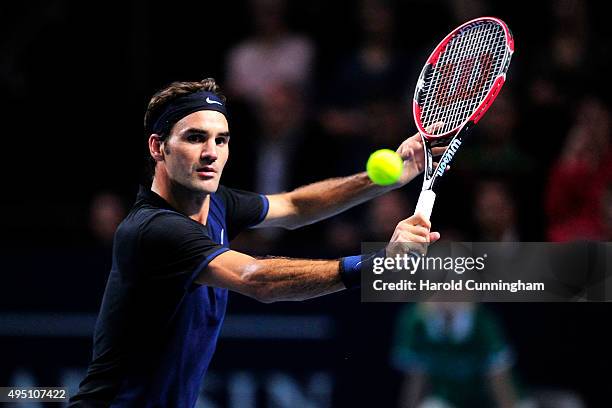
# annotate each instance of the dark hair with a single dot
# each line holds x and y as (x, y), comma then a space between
(160, 101)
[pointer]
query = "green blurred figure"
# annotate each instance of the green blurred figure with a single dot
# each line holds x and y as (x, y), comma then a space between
(452, 355)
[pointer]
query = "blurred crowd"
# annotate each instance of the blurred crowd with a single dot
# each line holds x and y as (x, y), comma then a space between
(315, 88)
(537, 168)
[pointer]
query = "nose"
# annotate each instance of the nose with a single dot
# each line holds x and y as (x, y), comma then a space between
(209, 151)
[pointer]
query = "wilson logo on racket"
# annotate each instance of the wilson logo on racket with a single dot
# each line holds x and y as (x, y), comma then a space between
(467, 85)
(452, 149)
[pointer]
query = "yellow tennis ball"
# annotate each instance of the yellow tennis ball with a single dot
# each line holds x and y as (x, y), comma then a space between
(384, 167)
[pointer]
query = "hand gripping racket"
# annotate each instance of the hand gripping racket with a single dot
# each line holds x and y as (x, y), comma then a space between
(459, 82)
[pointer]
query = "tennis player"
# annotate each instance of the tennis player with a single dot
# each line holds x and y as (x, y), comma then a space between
(172, 267)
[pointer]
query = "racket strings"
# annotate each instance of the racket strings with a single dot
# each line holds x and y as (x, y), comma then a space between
(463, 75)
(457, 98)
(469, 75)
(458, 49)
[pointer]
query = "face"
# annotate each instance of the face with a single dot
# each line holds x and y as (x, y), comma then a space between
(196, 151)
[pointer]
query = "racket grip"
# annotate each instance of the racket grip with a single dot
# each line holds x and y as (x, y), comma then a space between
(425, 203)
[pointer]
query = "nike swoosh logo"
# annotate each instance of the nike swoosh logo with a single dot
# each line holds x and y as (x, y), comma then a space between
(208, 100)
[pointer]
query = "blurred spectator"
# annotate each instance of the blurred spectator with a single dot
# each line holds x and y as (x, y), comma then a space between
(272, 54)
(365, 107)
(282, 125)
(563, 66)
(578, 180)
(494, 149)
(343, 236)
(377, 224)
(16, 64)
(606, 212)
(285, 150)
(373, 73)
(560, 70)
(267, 80)
(570, 35)
(106, 211)
(452, 355)
(282, 120)
(495, 213)
(385, 212)
(465, 10)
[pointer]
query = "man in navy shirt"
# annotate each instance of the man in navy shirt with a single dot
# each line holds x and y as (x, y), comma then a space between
(166, 294)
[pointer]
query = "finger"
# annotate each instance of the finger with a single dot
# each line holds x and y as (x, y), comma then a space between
(434, 126)
(415, 231)
(434, 236)
(405, 151)
(409, 153)
(448, 167)
(416, 138)
(418, 219)
(438, 151)
(419, 230)
(417, 239)
(413, 160)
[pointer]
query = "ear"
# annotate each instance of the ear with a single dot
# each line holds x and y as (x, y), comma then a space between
(155, 147)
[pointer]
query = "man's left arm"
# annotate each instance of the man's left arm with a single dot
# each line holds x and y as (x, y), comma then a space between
(324, 199)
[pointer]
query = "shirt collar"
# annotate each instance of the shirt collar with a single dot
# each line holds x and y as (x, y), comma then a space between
(146, 195)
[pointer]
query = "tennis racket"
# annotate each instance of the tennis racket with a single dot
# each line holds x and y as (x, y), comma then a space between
(459, 82)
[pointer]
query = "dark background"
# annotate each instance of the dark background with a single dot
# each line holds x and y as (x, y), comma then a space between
(76, 78)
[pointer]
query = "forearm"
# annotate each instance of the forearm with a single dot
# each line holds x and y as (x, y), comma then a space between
(324, 199)
(327, 198)
(273, 279)
(276, 279)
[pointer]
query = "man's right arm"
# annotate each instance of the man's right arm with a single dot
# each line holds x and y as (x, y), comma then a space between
(274, 279)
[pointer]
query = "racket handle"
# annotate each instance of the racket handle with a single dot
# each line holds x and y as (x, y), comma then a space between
(425, 203)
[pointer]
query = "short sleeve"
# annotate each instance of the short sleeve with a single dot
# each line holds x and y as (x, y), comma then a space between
(176, 248)
(244, 209)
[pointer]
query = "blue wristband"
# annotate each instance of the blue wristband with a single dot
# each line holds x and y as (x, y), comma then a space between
(351, 266)
(350, 271)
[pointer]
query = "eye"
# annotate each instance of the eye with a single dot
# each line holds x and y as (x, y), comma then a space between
(194, 138)
(221, 140)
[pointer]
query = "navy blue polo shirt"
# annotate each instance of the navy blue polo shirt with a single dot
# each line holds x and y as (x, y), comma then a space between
(157, 330)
